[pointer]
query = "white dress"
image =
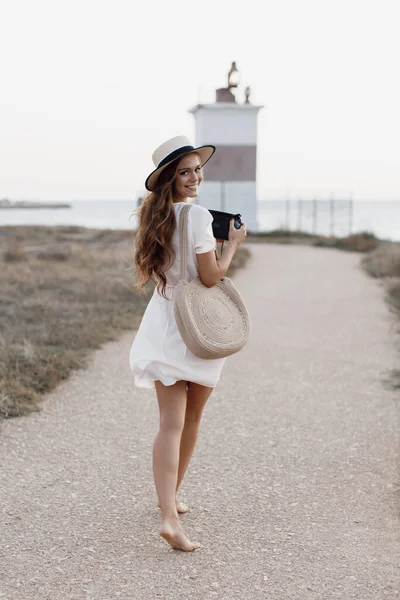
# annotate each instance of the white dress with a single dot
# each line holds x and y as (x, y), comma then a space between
(158, 351)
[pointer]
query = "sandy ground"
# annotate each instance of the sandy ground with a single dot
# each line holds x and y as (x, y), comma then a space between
(294, 486)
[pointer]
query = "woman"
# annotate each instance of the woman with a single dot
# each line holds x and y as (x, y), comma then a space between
(158, 356)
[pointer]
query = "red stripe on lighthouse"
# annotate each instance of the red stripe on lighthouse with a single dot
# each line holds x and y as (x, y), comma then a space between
(232, 163)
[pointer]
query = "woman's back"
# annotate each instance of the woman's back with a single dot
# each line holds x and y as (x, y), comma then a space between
(200, 240)
(158, 351)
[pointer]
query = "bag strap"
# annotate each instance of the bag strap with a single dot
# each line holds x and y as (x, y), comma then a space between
(183, 221)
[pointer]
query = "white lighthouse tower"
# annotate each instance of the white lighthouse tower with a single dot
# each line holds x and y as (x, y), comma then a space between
(230, 177)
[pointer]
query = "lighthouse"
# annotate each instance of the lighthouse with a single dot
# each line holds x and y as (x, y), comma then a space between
(230, 177)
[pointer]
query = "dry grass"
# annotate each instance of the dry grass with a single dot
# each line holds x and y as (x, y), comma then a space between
(384, 263)
(360, 242)
(281, 236)
(64, 291)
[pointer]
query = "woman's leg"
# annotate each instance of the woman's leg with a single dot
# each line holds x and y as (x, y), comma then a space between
(197, 396)
(172, 404)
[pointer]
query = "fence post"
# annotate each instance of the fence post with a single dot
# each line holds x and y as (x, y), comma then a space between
(351, 209)
(287, 213)
(332, 213)
(314, 216)
(299, 214)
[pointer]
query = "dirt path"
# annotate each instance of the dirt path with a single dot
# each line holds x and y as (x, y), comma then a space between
(294, 485)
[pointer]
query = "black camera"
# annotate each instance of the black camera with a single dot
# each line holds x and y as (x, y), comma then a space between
(221, 223)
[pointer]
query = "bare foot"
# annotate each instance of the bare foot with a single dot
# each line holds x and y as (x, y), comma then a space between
(171, 530)
(180, 507)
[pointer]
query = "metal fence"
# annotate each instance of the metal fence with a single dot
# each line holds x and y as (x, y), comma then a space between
(320, 217)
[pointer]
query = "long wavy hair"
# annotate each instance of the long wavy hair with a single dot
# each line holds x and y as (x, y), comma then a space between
(153, 240)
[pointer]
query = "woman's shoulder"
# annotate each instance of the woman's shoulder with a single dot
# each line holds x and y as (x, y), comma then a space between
(198, 210)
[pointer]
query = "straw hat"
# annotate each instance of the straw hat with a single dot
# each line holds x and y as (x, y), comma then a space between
(172, 149)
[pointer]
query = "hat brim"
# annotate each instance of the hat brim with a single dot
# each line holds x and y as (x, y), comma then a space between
(205, 153)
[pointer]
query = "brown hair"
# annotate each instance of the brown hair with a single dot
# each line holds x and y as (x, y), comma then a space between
(153, 249)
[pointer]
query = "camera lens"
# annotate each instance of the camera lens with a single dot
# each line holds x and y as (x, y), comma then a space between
(237, 223)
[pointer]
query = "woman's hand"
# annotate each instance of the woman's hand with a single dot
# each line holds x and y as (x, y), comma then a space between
(237, 236)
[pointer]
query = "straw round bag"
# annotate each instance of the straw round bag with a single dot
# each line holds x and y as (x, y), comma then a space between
(213, 322)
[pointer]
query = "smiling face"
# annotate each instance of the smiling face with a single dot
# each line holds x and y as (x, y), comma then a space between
(188, 178)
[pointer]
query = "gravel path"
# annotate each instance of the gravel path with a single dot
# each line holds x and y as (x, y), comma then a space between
(294, 485)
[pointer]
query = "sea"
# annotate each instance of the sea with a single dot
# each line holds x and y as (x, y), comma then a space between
(324, 217)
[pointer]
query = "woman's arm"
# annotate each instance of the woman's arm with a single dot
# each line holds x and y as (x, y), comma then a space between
(211, 269)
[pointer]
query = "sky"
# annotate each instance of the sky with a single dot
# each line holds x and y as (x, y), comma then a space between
(89, 88)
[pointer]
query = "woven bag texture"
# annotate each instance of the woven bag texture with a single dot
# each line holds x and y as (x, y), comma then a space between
(213, 322)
